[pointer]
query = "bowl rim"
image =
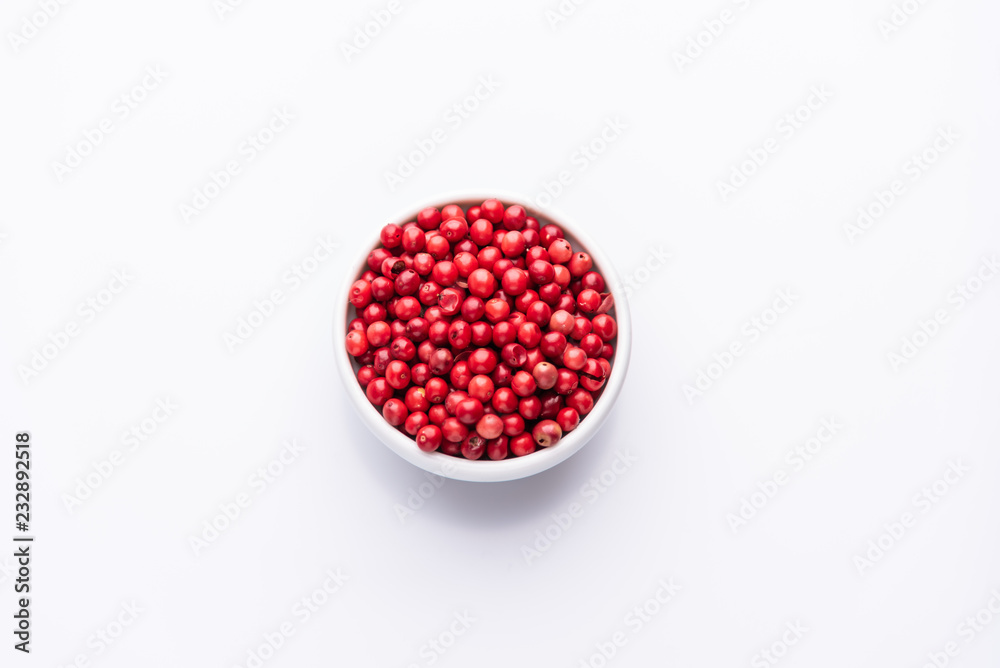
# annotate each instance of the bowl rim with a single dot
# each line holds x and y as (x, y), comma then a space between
(481, 470)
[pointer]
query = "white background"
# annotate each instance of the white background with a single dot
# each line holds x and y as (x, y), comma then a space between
(654, 188)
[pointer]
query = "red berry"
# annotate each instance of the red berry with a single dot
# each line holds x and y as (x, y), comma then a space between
(568, 419)
(523, 384)
(455, 229)
(530, 407)
(361, 293)
(489, 256)
(440, 362)
(391, 236)
(378, 391)
(429, 218)
(436, 390)
(437, 414)
(562, 322)
(515, 217)
(504, 400)
(592, 345)
(492, 210)
(473, 308)
(605, 326)
(379, 333)
(469, 410)
(550, 233)
(459, 334)
(438, 247)
(383, 289)
(545, 375)
(482, 361)
(580, 264)
(397, 374)
(546, 433)
(366, 374)
(482, 283)
(589, 301)
(474, 446)
(429, 438)
(481, 388)
(574, 358)
(513, 424)
(581, 328)
(514, 355)
(423, 263)
(513, 244)
(481, 231)
(553, 344)
(415, 422)
(497, 448)
(416, 399)
(581, 400)
(515, 281)
(357, 343)
(482, 333)
(413, 239)
(450, 300)
(593, 375)
(453, 430)
(496, 309)
(394, 411)
(465, 263)
(522, 445)
(490, 426)
(560, 251)
(460, 376)
(566, 382)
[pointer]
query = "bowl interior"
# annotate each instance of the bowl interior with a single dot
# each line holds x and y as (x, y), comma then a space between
(485, 470)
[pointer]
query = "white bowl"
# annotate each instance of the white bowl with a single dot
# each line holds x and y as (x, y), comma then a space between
(486, 470)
